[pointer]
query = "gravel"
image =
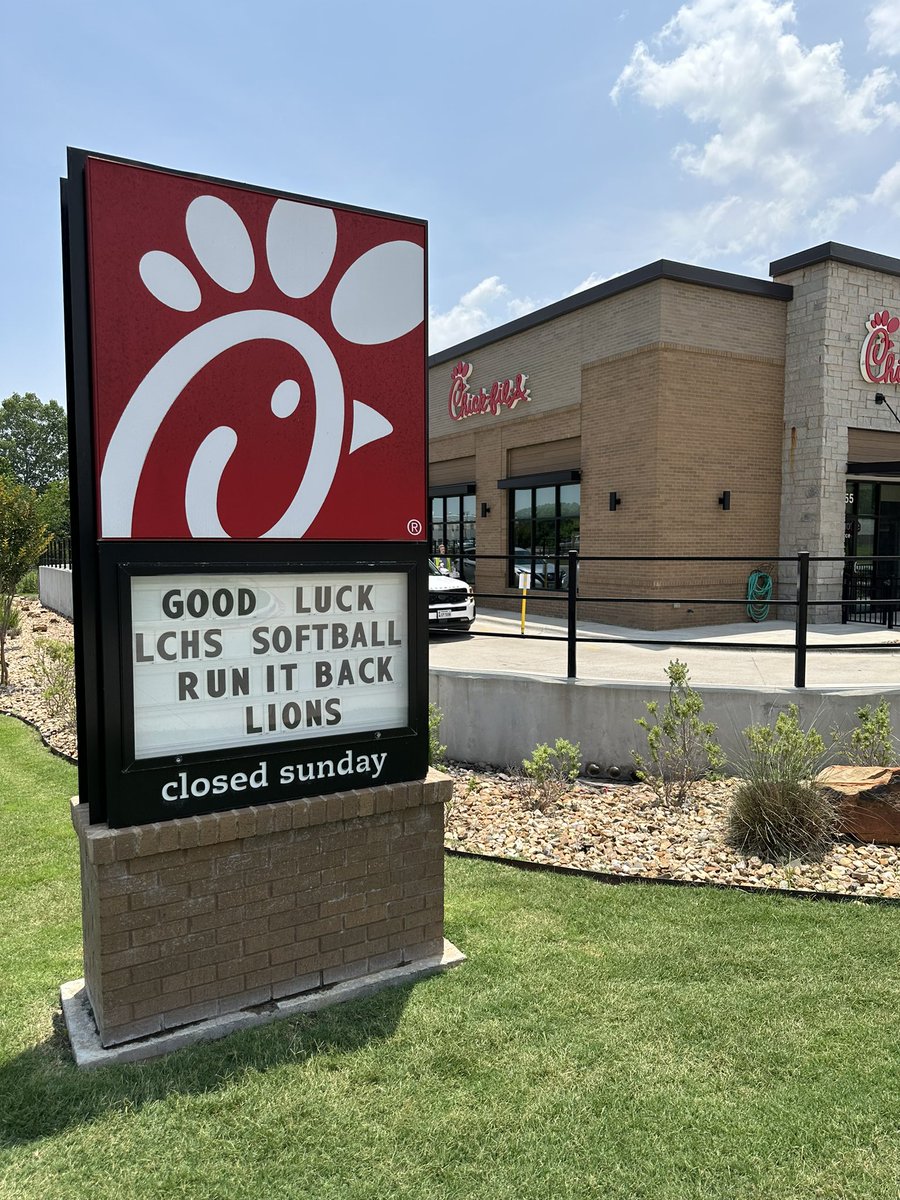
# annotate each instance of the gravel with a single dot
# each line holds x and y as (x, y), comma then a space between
(613, 828)
(622, 829)
(22, 697)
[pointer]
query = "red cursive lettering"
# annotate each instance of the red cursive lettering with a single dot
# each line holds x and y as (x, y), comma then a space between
(877, 360)
(503, 393)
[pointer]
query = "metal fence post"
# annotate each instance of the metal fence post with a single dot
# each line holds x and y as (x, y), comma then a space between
(572, 625)
(801, 619)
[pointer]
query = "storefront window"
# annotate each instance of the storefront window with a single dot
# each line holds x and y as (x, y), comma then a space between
(865, 498)
(544, 527)
(872, 544)
(453, 526)
(872, 522)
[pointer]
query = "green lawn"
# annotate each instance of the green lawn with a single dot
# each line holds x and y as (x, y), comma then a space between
(629, 1041)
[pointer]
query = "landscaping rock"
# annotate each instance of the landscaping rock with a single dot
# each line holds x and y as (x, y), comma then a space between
(867, 800)
(617, 828)
(23, 698)
(624, 830)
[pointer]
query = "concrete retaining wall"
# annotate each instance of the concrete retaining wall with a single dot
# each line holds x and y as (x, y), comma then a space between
(499, 718)
(55, 588)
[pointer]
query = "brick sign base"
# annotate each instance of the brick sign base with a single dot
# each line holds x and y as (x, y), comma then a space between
(198, 917)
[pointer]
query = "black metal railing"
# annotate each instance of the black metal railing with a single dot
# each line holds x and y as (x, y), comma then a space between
(58, 553)
(853, 604)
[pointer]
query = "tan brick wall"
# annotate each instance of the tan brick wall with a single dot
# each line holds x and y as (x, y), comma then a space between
(201, 916)
(551, 355)
(725, 322)
(670, 438)
(676, 392)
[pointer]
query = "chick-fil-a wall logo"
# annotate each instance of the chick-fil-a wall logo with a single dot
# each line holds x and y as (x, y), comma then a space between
(877, 360)
(257, 362)
(503, 393)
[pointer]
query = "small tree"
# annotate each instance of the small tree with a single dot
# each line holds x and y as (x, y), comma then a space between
(681, 747)
(550, 772)
(872, 743)
(436, 751)
(23, 538)
(53, 670)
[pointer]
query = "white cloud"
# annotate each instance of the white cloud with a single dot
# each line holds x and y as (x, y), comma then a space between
(781, 120)
(592, 280)
(887, 189)
(746, 227)
(485, 306)
(884, 28)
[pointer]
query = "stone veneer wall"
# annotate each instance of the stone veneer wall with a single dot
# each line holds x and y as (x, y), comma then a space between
(824, 395)
(201, 916)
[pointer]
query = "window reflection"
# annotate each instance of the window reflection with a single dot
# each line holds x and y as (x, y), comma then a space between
(544, 527)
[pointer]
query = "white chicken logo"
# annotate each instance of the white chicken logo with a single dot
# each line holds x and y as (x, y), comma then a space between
(379, 298)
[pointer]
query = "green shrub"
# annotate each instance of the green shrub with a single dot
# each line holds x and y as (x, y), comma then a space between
(28, 584)
(680, 745)
(872, 743)
(22, 541)
(777, 812)
(53, 670)
(550, 772)
(14, 622)
(436, 751)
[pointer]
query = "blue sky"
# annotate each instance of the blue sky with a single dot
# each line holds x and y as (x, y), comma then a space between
(549, 146)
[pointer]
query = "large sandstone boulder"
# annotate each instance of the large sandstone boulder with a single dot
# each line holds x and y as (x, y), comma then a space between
(867, 800)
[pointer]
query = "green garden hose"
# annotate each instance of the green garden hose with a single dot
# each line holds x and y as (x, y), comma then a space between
(759, 593)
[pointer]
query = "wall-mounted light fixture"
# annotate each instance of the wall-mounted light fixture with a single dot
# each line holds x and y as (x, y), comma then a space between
(880, 398)
(725, 501)
(614, 501)
(485, 508)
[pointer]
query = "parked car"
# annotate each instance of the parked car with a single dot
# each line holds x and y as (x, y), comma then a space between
(451, 602)
(541, 570)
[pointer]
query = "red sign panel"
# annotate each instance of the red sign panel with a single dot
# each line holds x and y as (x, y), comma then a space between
(258, 363)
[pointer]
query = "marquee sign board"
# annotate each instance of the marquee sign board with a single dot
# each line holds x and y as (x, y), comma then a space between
(247, 382)
(241, 660)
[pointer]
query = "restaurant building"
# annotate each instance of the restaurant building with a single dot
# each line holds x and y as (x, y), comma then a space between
(679, 411)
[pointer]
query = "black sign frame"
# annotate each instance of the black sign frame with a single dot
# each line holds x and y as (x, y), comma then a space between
(120, 790)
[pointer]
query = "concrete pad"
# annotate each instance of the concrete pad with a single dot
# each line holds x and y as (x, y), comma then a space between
(501, 696)
(855, 664)
(88, 1052)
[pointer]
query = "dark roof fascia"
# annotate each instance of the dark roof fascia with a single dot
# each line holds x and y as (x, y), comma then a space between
(663, 269)
(889, 467)
(451, 489)
(542, 479)
(836, 252)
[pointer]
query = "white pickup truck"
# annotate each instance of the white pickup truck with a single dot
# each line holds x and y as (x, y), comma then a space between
(451, 602)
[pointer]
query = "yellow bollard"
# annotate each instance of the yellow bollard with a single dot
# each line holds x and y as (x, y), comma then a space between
(524, 584)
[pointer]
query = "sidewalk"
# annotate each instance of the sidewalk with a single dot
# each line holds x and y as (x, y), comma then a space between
(749, 666)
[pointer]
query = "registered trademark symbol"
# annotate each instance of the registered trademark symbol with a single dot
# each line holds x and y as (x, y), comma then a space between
(414, 527)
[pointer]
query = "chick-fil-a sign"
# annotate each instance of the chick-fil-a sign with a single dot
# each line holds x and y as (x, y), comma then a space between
(257, 361)
(502, 393)
(877, 360)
